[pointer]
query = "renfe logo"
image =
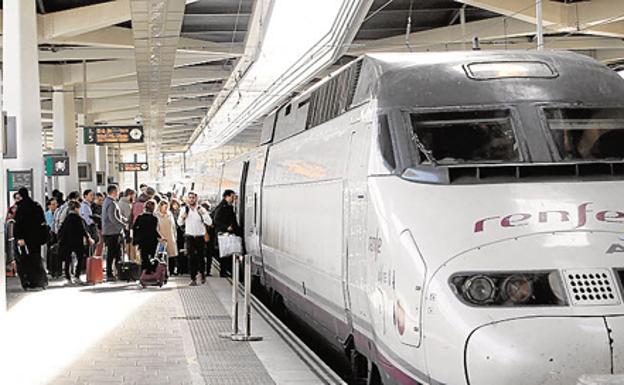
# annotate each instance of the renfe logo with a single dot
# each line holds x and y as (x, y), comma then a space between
(550, 216)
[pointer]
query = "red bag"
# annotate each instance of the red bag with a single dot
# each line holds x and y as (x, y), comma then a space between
(95, 270)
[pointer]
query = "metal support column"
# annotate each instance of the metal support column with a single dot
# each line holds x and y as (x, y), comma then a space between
(246, 334)
(235, 334)
(540, 24)
(462, 21)
(136, 177)
(235, 272)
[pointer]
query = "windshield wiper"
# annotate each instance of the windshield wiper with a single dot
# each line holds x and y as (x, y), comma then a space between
(421, 147)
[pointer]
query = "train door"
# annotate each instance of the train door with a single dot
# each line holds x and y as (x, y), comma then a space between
(356, 200)
(240, 203)
(252, 201)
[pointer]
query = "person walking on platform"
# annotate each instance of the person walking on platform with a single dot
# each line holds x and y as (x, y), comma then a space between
(72, 238)
(209, 250)
(195, 219)
(125, 208)
(146, 235)
(225, 222)
(224, 215)
(52, 206)
(182, 262)
(167, 230)
(11, 211)
(53, 261)
(112, 228)
(61, 212)
(125, 205)
(138, 207)
(86, 214)
(31, 233)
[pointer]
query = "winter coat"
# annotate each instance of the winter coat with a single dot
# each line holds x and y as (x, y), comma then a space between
(28, 220)
(146, 231)
(139, 206)
(112, 222)
(224, 217)
(73, 232)
(167, 230)
(125, 207)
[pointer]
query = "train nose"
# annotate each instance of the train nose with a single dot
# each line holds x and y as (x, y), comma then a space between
(545, 351)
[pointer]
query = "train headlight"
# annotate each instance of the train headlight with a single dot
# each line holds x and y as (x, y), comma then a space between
(509, 288)
(479, 289)
(517, 289)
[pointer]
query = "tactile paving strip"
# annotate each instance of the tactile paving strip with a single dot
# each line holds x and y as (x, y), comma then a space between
(222, 361)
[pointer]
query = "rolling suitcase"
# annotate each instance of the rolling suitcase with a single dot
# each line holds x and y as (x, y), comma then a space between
(30, 270)
(128, 271)
(95, 267)
(55, 267)
(159, 276)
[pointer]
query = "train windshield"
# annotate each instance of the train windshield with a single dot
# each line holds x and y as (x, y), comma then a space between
(587, 133)
(460, 137)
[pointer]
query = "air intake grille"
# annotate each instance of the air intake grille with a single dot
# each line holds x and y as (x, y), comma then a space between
(589, 287)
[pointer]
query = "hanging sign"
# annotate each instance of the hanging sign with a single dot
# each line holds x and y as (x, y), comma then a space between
(133, 167)
(113, 134)
(18, 179)
(57, 165)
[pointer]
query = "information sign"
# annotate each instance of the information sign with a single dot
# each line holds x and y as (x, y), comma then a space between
(57, 165)
(133, 167)
(113, 134)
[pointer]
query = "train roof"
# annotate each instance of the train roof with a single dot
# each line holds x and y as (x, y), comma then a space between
(445, 79)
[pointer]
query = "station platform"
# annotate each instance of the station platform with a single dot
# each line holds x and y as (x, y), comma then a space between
(118, 333)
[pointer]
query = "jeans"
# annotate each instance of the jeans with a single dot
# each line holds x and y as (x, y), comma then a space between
(195, 251)
(113, 247)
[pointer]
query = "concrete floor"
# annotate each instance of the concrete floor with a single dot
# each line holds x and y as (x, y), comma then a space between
(121, 334)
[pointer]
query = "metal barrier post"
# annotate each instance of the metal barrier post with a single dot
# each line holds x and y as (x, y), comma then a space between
(235, 272)
(246, 335)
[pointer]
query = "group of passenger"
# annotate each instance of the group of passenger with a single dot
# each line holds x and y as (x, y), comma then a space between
(123, 227)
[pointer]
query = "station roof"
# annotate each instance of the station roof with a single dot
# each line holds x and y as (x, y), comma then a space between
(213, 34)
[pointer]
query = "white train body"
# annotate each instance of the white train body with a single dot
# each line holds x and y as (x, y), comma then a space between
(415, 263)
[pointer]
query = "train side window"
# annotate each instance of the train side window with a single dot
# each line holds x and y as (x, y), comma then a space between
(385, 142)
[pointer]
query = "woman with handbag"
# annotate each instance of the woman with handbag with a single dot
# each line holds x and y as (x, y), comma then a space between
(167, 230)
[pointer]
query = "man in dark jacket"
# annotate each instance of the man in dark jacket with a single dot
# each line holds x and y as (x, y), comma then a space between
(72, 238)
(225, 222)
(224, 215)
(30, 226)
(146, 236)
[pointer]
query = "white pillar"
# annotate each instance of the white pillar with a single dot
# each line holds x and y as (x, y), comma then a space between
(64, 128)
(21, 87)
(101, 163)
(3, 303)
(86, 153)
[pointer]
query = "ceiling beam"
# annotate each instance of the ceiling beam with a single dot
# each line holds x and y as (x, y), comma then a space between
(557, 16)
(77, 21)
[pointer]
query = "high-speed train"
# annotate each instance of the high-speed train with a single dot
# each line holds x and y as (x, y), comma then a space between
(448, 218)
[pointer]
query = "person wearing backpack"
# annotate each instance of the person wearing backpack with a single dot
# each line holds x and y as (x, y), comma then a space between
(31, 232)
(195, 218)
